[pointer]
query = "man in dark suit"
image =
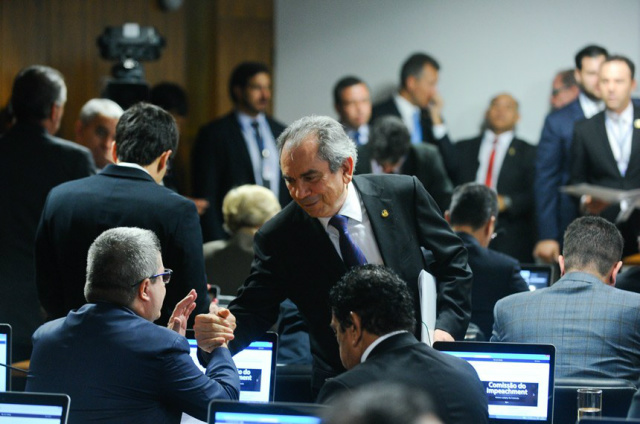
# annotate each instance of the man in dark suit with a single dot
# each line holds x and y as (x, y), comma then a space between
(32, 161)
(126, 193)
(238, 148)
(555, 210)
(390, 152)
(337, 221)
(352, 101)
(606, 148)
(372, 318)
(593, 325)
(472, 215)
(419, 104)
(505, 163)
(110, 357)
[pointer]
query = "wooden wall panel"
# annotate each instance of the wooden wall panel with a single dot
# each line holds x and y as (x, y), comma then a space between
(205, 40)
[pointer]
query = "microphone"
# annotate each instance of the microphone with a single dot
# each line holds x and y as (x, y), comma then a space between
(14, 368)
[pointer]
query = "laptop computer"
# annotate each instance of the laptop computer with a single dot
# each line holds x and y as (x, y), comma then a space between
(5, 357)
(256, 366)
(35, 408)
(227, 412)
(537, 276)
(518, 378)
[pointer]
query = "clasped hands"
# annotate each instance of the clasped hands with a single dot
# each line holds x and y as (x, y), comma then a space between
(212, 330)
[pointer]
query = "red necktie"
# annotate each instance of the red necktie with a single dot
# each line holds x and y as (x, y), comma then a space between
(489, 178)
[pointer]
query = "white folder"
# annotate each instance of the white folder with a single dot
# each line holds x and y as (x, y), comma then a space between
(428, 305)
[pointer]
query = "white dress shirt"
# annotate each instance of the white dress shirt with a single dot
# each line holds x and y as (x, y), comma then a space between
(504, 140)
(263, 168)
(358, 225)
(377, 341)
(620, 133)
(590, 107)
(407, 112)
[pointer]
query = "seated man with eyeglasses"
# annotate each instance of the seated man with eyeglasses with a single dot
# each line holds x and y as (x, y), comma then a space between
(109, 357)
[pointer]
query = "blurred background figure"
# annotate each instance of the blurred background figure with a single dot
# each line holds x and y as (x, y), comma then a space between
(245, 209)
(564, 89)
(352, 101)
(383, 403)
(96, 129)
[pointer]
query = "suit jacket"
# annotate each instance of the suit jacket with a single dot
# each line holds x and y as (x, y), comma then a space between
(593, 163)
(119, 367)
(296, 259)
(423, 161)
(32, 162)
(77, 212)
(594, 327)
(555, 210)
(451, 382)
(515, 226)
(221, 161)
(495, 275)
(388, 107)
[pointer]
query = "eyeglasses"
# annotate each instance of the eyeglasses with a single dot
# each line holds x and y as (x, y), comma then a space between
(166, 277)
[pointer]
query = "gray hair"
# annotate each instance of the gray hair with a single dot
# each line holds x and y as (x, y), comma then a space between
(117, 260)
(249, 206)
(334, 145)
(95, 107)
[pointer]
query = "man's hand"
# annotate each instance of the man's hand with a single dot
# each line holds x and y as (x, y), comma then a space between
(442, 336)
(591, 206)
(181, 313)
(214, 329)
(201, 204)
(435, 108)
(547, 250)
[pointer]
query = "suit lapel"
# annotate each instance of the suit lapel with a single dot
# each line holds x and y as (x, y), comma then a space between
(381, 215)
(602, 145)
(509, 165)
(634, 156)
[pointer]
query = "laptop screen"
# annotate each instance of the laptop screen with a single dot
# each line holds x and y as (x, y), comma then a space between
(5, 357)
(518, 378)
(256, 367)
(224, 412)
(33, 408)
(536, 276)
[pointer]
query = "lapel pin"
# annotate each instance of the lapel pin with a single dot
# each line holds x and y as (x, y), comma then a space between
(636, 124)
(512, 151)
(385, 213)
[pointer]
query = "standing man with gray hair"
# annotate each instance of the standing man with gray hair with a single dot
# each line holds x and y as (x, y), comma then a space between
(32, 162)
(338, 221)
(124, 368)
(96, 129)
(126, 193)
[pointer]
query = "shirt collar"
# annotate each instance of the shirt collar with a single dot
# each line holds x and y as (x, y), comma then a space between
(377, 341)
(626, 115)
(132, 165)
(589, 107)
(246, 120)
(505, 137)
(405, 105)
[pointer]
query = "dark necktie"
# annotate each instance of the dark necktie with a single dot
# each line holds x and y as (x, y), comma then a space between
(263, 152)
(351, 253)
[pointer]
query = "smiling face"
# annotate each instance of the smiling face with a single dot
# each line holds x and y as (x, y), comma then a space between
(311, 184)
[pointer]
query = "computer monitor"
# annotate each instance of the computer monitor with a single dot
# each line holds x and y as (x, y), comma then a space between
(537, 276)
(34, 408)
(227, 412)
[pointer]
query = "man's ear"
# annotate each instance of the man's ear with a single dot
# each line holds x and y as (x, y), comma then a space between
(561, 264)
(164, 159)
(347, 170)
(143, 290)
(114, 152)
(355, 330)
(614, 273)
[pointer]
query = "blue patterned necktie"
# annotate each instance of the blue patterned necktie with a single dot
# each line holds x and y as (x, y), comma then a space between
(351, 253)
(416, 135)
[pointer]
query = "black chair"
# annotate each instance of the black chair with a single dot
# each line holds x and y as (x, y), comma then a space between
(293, 384)
(616, 397)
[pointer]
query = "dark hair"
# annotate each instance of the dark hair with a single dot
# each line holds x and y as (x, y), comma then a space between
(381, 403)
(378, 295)
(591, 50)
(620, 58)
(144, 132)
(415, 65)
(345, 82)
(389, 140)
(568, 78)
(592, 241)
(473, 204)
(243, 73)
(35, 90)
(170, 97)
(118, 259)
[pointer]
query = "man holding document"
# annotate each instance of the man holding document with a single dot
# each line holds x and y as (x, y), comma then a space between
(338, 221)
(606, 148)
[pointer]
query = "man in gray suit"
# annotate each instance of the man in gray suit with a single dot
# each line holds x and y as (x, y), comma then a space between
(593, 325)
